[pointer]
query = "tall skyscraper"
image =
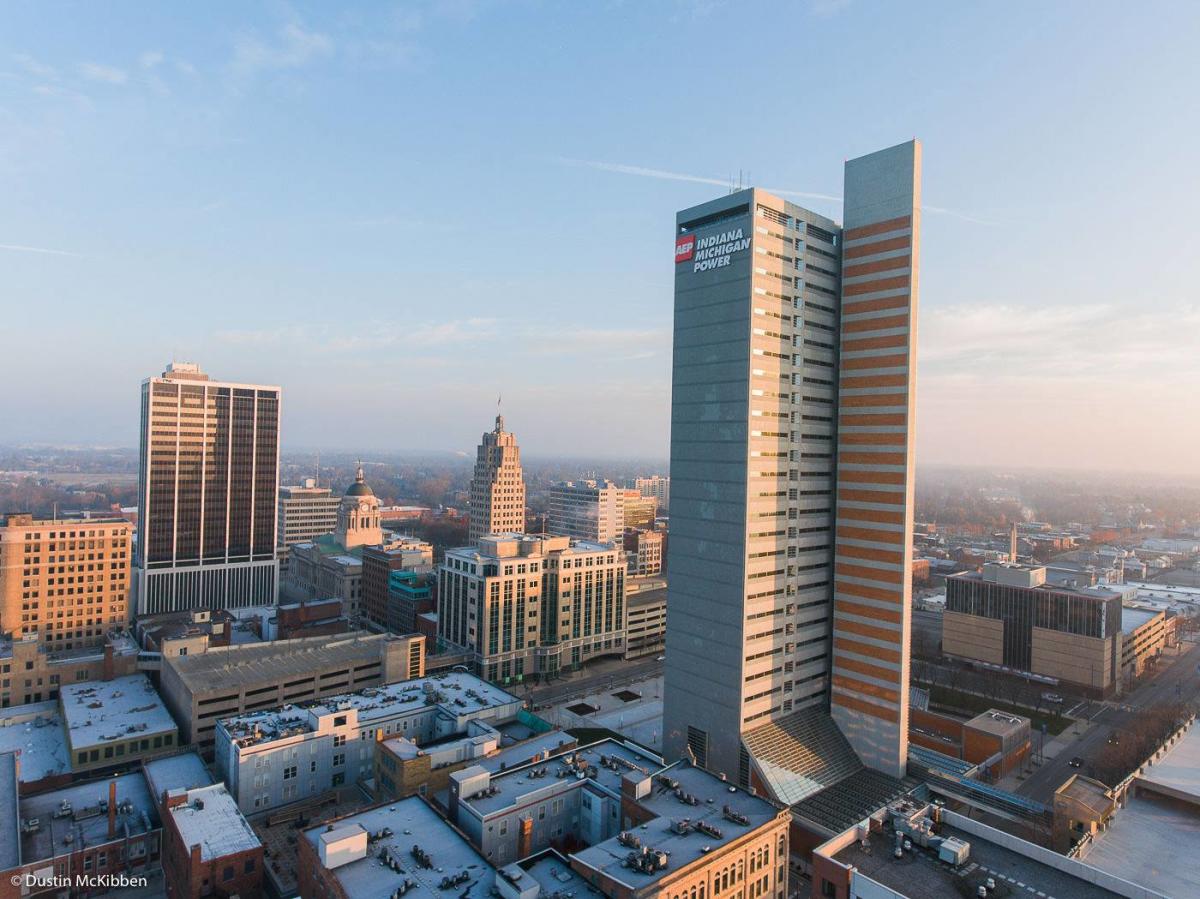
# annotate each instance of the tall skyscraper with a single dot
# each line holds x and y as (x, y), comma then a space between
(587, 510)
(498, 487)
(792, 469)
(208, 493)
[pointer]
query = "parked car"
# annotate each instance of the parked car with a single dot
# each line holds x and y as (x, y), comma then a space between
(1053, 698)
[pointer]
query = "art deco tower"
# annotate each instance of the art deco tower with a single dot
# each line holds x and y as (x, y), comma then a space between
(497, 487)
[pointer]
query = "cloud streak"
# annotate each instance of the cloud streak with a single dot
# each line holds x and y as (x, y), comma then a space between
(1096, 342)
(21, 248)
(664, 175)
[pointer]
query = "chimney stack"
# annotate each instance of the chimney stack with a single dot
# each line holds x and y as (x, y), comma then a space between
(112, 809)
(1012, 543)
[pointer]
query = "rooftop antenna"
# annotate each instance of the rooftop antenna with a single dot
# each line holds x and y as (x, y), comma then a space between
(317, 482)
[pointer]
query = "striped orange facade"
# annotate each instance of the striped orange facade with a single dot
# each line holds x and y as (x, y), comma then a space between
(876, 386)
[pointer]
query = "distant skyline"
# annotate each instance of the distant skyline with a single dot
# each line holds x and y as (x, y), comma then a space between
(399, 212)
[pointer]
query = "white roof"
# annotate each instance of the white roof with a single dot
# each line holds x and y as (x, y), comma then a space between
(212, 819)
(456, 691)
(184, 771)
(99, 712)
(36, 732)
(410, 822)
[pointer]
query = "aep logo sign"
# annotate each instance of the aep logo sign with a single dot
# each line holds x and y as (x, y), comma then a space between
(685, 246)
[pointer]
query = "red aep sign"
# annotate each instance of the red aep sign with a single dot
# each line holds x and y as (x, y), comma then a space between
(685, 245)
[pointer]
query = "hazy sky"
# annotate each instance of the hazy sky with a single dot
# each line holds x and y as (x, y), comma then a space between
(399, 211)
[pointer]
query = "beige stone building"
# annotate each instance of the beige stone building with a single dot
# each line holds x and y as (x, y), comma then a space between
(645, 551)
(32, 673)
(526, 604)
(498, 486)
(64, 583)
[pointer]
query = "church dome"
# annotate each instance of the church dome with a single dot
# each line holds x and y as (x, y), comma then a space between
(359, 487)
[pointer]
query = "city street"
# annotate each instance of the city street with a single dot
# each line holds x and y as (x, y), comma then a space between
(1178, 682)
(602, 675)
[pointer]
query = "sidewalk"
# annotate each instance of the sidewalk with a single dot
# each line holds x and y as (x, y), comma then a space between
(1051, 750)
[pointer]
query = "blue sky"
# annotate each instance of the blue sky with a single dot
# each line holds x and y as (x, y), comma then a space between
(398, 211)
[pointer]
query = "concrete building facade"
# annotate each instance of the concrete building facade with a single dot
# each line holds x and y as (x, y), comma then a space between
(657, 486)
(791, 461)
(646, 621)
(208, 493)
(227, 681)
(1010, 616)
(587, 510)
(306, 512)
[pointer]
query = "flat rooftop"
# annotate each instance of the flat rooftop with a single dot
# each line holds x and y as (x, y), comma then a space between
(77, 811)
(99, 712)
(1097, 592)
(1179, 769)
(122, 643)
(607, 763)
(1132, 619)
(411, 822)
(228, 668)
(36, 732)
(457, 691)
(919, 875)
(548, 870)
(1152, 841)
(517, 754)
(184, 771)
(999, 723)
(727, 813)
(648, 597)
(211, 819)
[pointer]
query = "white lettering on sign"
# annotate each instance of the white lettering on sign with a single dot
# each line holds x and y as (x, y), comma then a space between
(716, 250)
